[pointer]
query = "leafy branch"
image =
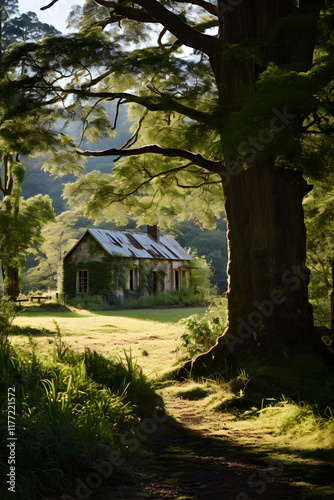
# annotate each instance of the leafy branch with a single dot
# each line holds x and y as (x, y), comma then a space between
(172, 22)
(195, 158)
(154, 103)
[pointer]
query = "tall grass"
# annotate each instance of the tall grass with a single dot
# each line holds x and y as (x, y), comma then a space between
(305, 426)
(125, 378)
(71, 410)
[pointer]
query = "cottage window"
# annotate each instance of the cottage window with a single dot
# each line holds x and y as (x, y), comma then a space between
(155, 282)
(133, 279)
(177, 279)
(82, 281)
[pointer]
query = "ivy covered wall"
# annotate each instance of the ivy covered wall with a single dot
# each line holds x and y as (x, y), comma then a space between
(105, 277)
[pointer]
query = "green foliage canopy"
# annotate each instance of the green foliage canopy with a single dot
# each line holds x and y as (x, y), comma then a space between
(20, 230)
(172, 94)
(27, 126)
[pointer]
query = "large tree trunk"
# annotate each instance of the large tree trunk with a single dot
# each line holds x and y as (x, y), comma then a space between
(12, 277)
(268, 310)
(269, 315)
(267, 298)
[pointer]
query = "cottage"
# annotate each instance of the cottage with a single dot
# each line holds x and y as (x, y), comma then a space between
(116, 263)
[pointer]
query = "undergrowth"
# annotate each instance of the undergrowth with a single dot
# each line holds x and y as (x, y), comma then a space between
(302, 423)
(180, 298)
(71, 411)
(90, 302)
(202, 333)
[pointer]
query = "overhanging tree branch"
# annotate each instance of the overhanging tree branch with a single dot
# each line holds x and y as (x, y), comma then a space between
(196, 186)
(163, 103)
(187, 35)
(141, 16)
(212, 9)
(120, 12)
(119, 197)
(196, 159)
(133, 139)
(123, 12)
(106, 3)
(181, 30)
(49, 5)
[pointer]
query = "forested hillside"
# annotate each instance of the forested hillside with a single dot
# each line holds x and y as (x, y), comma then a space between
(37, 180)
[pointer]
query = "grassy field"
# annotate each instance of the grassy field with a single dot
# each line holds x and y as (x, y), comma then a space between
(152, 335)
(219, 412)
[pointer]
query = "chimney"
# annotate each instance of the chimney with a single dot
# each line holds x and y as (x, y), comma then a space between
(154, 232)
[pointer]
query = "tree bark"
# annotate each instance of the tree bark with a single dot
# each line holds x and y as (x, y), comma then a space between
(269, 315)
(13, 287)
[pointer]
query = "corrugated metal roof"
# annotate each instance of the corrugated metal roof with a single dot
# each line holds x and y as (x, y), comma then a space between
(140, 246)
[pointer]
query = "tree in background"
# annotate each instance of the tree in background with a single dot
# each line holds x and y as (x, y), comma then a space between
(27, 127)
(23, 27)
(241, 118)
(21, 222)
(58, 239)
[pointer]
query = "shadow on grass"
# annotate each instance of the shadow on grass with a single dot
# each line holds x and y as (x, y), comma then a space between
(40, 313)
(185, 464)
(30, 330)
(166, 315)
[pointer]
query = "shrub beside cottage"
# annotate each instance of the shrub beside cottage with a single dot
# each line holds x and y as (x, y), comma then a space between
(114, 264)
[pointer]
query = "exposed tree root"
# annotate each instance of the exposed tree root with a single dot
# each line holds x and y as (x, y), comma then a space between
(221, 356)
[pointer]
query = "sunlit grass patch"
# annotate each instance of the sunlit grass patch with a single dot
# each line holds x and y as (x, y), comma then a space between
(192, 391)
(301, 424)
(310, 490)
(155, 331)
(222, 400)
(210, 395)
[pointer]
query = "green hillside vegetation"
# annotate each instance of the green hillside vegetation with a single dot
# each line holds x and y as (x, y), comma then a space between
(38, 180)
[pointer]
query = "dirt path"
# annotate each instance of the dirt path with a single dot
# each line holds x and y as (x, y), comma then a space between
(188, 464)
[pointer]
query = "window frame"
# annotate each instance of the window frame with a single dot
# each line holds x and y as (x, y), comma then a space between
(82, 285)
(133, 280)
(177, 279)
